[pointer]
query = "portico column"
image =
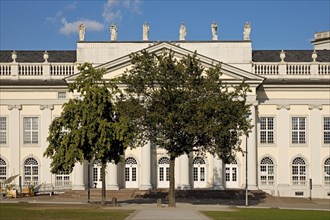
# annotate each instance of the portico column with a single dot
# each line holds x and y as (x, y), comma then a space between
(252, 151)
(78, 177)
(184, 172)
(283, 148)
(218, 181)
(146, 167)
(112, 180)
(316, 165)
(46, 119)
(14, 137)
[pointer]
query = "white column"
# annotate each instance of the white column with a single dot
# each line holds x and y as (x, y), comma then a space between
(252, 152)
(283, 141)
(218, 180)
(145, 167)
(112, 179)
(315, 143)
(184, 172)
(78, 177)
(46, 119)
(14, 137)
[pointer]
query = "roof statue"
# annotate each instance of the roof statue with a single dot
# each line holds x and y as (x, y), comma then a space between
(113, 32)
(146, 28)
(81, 32)
(183, 32)
(214, 28)
(247, 30)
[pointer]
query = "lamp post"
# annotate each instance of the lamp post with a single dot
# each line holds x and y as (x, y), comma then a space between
(246, 171)
(89, 182)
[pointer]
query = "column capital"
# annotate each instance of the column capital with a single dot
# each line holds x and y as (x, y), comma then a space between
(42, 107)
(18, 107)
(311, 107)
(279, 107)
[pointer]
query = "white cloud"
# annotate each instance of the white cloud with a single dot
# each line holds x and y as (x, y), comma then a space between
(71, 6)
(112, 10)
(69, 28)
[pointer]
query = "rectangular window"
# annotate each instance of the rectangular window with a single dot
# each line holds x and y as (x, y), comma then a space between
(298, 130)
(267, 130)
(61, 95)
(62, 178)
(3, 130)
(326, 130)
(31, 130)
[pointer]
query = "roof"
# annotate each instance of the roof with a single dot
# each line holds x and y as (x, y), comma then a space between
(33, 82)
(290, 55)
(36, 56)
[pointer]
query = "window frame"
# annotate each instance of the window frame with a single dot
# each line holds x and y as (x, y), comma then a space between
(267, 130)
(266, 174)
(5, 166)
(23, 142)
(32, 175)
(305, 144)
(299, 175)
(326, 172)
(323, 131)
(6, 131)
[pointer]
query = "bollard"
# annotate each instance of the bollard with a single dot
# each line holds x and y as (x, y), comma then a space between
(159, 202)
(114, 201)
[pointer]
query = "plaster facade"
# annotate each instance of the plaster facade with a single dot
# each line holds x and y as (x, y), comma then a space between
(287, 148)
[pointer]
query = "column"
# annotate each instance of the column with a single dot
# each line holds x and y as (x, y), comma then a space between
(145, 167)
(14, 137)
(283, 140)
(78, 177)
(184, 172)
(46, 119)
(112, 179)
(218, 180)
(315, 143)
(252, 152)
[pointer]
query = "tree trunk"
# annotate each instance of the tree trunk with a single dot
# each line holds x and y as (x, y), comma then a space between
(103, 201)
(171, 193)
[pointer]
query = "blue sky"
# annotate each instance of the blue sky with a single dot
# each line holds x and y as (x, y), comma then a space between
(53, 25)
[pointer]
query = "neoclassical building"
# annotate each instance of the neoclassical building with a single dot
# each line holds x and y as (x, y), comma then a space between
(288, 147)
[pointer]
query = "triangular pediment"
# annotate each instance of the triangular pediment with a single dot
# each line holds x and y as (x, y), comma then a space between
(232, 74)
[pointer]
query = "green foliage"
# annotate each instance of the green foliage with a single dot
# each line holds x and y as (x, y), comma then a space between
(182, 106)
(88, 128)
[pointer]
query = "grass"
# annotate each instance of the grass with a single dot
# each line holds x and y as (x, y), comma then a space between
(268, 214)
(43, 211)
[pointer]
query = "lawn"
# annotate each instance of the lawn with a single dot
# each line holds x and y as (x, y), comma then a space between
(43, 211)
(268, 214)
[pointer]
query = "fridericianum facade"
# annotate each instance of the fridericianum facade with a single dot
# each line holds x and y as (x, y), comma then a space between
(288, 147)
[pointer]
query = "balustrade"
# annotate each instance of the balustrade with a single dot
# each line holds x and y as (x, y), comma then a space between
(5, 70)
(30, 69)
(62, 69)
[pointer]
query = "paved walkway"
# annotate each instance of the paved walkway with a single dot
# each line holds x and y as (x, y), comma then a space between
(148, 210)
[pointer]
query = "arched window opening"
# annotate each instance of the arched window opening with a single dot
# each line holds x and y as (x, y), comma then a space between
(267, 173)
(299, 176)
(31, 172)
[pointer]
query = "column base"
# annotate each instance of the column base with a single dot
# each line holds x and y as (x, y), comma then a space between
(218, 187)
(112, 187)
(79, 187)
(253, 187)
(184, 187)
(145, 187)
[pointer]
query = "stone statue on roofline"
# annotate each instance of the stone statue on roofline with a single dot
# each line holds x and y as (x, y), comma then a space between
(214, 28)
(183, 32)
(247, 31)
(113, 32)
(146, 28)
(81, 32)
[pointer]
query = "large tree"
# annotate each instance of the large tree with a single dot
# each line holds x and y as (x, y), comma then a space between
(183, 107)
(89, 127)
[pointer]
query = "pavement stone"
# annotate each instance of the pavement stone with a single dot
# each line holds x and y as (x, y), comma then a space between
(147, 209)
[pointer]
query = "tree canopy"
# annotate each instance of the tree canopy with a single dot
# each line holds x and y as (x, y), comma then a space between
(183, 107)
(89, 127)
